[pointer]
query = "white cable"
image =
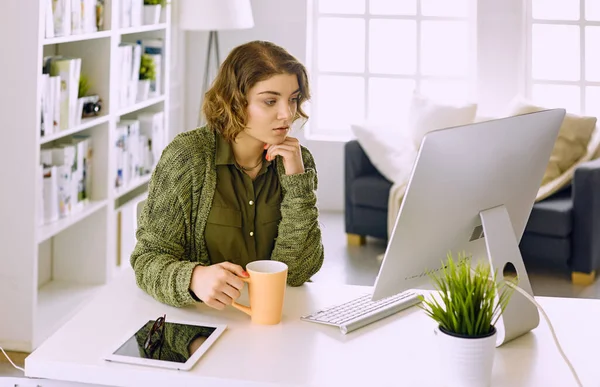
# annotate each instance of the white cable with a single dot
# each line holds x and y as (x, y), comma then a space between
(11, 362)
(532, 300)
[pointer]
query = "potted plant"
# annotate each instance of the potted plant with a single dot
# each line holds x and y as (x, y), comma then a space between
(466, 306)
(152, 10)
(147, 75)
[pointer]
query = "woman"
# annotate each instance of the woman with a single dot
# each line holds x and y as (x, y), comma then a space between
(235, 191)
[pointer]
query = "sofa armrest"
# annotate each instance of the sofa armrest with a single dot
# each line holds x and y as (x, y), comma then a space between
(586, 218)
(356, 164)
(356, 161)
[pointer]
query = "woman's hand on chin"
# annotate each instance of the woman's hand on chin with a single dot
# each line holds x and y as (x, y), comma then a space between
(291, 153)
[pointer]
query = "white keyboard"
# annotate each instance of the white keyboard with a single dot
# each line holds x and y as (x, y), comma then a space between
(362, 311)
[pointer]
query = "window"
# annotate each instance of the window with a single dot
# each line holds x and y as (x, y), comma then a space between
(564, 54)
(366, 57)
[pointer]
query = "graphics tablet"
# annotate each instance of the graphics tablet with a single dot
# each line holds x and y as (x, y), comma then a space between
(165, 343)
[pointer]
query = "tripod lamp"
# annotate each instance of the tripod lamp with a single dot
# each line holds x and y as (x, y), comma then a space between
(214, 16)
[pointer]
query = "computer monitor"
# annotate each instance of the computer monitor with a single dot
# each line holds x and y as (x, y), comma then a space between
(471, 190)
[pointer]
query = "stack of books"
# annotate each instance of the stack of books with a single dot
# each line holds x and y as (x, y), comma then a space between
(60, 90)
(138, 147)
(131, 13)
(72, 17)
(65, 174)
(129, 57)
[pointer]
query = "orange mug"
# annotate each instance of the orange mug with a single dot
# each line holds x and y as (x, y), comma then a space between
(266, 290)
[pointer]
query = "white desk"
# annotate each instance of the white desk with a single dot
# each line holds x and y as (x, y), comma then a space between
(398, 350)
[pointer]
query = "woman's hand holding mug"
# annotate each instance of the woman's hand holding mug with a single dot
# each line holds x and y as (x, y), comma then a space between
(218, 285)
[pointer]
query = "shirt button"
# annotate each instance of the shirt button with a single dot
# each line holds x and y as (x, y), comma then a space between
(251, 233)
(251, 202)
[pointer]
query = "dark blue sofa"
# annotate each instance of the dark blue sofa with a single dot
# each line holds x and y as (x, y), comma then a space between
(563, 230)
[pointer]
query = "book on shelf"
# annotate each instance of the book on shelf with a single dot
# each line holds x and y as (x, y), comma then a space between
(129, 57)
(61, 15)
(48, 18)
(66, 175)
(46, 125)
(49, 202)
(125, 13)
(127, 151)
(137, 12)
(50, 106)
(152, 126)
(131, 13)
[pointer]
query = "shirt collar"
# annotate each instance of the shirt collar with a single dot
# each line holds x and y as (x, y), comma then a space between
(224, 153)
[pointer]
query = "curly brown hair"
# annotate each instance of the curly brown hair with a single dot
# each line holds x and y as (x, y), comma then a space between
(224, 105)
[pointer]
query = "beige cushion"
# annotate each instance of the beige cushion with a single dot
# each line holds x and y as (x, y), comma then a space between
(572, 147)
(592, 152)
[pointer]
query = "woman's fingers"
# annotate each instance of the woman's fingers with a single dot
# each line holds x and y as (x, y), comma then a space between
(283, 150)
(223, 298)
(231, 292)
(215, 303)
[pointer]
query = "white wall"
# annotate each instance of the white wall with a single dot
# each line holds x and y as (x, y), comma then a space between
(284, 22)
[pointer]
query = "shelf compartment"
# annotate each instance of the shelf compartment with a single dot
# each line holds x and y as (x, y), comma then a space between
(51, 229)
(86, 123)
(141, 105)
(136, 30)
(77, 38)
(134, 184)
(58, 301)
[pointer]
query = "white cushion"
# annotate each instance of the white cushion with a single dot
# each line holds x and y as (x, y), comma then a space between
(426, 114)
(389, 148)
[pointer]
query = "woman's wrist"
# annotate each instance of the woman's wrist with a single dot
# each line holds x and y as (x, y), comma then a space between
(299, 184)
(195, 271)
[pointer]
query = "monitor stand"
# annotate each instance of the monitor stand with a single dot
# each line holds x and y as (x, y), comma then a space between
(520, 315)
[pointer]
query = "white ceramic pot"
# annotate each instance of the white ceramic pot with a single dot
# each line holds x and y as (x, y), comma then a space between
(151, 14)
(466, 361)
(143, 90)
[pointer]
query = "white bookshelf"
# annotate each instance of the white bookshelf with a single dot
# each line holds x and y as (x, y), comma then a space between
(141, 105)
(49, 230)
(77, 38)
(49, 271)
(86, 123)
(135, 30)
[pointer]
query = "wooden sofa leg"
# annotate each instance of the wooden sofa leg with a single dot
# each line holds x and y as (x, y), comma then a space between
(356, 240)
(583, 279)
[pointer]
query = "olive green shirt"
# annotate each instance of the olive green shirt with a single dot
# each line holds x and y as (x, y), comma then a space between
(172, 225)
(245, 214)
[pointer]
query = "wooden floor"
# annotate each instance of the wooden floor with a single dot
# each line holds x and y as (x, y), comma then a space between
(6, 369)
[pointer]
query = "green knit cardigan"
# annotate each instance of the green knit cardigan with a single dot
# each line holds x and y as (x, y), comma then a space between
(170, 235)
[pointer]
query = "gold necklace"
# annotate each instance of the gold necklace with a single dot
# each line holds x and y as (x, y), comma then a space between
(249, 169)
